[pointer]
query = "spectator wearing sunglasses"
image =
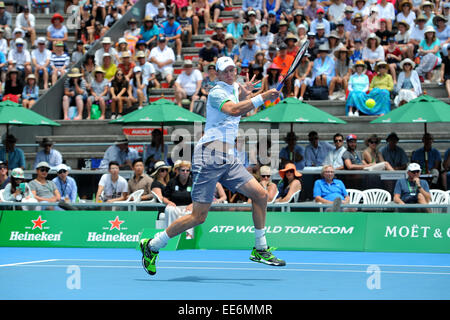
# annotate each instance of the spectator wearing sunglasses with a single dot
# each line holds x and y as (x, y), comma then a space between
(265, 181)
(66, 185)
(44, 190)
(161, 178)
(289, 184)
(334, 157)
(48, 154)
(412, 189)
(316, 151)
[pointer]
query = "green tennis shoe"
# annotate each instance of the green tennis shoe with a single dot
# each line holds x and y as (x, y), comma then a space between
(266, 257)
(149, 257)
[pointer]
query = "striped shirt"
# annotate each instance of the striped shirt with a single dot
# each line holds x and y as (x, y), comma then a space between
(58, 61)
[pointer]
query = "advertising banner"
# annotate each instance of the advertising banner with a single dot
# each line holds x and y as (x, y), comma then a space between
(104, 229)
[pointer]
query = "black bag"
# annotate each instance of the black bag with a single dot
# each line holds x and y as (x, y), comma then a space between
(318, 93)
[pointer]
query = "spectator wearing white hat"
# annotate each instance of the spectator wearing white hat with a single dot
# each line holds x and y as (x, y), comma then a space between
(137, 89)
(20, 58)
(106, 48)
(162, 57)
(429, 52)
(412, 189)
(98, 89)
(408, 86)
(148, 70)
(17, 189)
(40, 58)
(67, 186)
(42, 189)
(17, 33)
(188, 84)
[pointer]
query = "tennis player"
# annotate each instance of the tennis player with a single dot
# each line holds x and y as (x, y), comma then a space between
(214, 161)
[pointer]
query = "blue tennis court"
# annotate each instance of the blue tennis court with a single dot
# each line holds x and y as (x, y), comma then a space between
(77, 273)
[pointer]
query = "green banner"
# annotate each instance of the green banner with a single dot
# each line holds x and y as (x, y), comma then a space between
(408, 232)
(106, 229)
(286, 231)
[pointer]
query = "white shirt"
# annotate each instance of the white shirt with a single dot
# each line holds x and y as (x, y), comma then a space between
(409, 19)
(21, 22)
(20, 58)
(111, 188)
(41, 57)
(219, 125)
(189, 82)
(147, 70)
(336, 11)
(99, 56)
(162, 56)
(417, 34)
(387, 12)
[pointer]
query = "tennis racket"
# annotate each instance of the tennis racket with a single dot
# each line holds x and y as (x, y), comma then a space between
(294, 64)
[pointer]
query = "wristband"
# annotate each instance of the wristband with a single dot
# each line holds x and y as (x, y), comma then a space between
(257, 101)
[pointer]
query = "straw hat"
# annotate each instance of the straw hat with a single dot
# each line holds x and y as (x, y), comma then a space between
(289, 166)
(427, 3)
(341, 48)
(359, 63)
(403, 22)
(429, 29)
(400, 6)
(439, 17)
(421, 17)
(407, 60)
(74, 73)
(357, 16)
(160, 165)
(372, 36)
(379, 64)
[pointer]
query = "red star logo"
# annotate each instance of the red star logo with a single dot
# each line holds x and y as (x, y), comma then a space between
(116, 223)
(38, 223)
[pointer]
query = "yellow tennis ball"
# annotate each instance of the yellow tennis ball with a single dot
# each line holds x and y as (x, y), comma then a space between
(370, 103)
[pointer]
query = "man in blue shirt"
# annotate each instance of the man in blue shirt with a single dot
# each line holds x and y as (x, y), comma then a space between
(121, 153)
(249, 50)
(48, 154)
(328, 189)
(66, 185)
(316, 151)
(172, 30)
(9, 154)
(427, 153)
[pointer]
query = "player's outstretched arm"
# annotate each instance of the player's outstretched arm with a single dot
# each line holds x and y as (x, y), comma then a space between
(243, 107)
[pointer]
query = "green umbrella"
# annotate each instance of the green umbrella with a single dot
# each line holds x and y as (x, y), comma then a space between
(12, 113)
(424, 109)
(161, 112)
(291, 110)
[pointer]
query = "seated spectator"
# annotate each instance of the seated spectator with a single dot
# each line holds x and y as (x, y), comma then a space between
(248, 51)
(303, 76)
(153, 152)
(336, 11)
(177, 196)
(151, 9)
(108, 67)
(343, 71)
(393, 56)
(26, 22)
(373, 52)
(371, 155)
(230, 49)
(148, 71)
(208, 54)
(357, 52)
(149, 32)
(121, 153)
(12, 156)
(271, 80)
(219, 195)
(402, 39)
(235, 28)
(140, 180)
(408, 86)
(40, 58)
(122, 48)
(48, 154)
(85, 32)
(4, 178)
(290, 183)
(320, 20)
(106, 48)
(357, 87)
(126, 65)
(291, 41)
(252, 5)
(427, 7)
(133, 30)
(253, 22)
(358, 32)
(280, 36)
(265, 181)
(20, 58)
(445, 172)
(119, 91)
(386, 11)
(30, 92)
(186, 27)
(161, 176)
(137, 88)
(284, 61)
(316, 151)
(13, 86)
(74, 94)
(112, 17)
(112, 187)
(88, 68)
(334, 157)
(208, 82)
(17, 190)
(59, 62)
(200, 10)
(171, 30)
(292, 153)
(67, 186)
(429, 52)
(188, 84)
(57, 31)
(333, 44)
(442, 32)
(218, 38)
(343, 36)
(272, 20)
(347, 20)
(361, 8)
(161, 16)
(405, 13)
(99, 9)
(418, 31)
(44, 190)
(427, 157)
(216, 7)
(384, 34)
(394, 154)
(98, 92)
(445, 71)
(380, 89)
(163, 58)
(412, 189)
(330, 190)
(372, 22)
(5, 20)
(324, 67)
(352, 160)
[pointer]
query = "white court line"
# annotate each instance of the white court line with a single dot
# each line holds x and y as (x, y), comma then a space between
(273, 269)
(27, 262)
(250, 262)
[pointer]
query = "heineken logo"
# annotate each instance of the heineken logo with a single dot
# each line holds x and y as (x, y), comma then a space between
(115, 224)
(38, 235)
(38, 223)
(109, 235)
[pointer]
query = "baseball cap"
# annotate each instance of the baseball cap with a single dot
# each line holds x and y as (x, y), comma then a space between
(351, 137)
(223, 63)
(43, 164)
(414, 166)
(62, 166)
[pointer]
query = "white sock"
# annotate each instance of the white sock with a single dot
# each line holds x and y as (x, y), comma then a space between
(159, 241)
(260, 239)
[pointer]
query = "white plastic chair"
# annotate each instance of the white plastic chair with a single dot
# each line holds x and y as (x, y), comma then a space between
(156, 198)
(448, 196)
(274, 198)
(376, 196)
(1, 195)
(134, 197)
(438, 197)
(355, 196)
(294, 197)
